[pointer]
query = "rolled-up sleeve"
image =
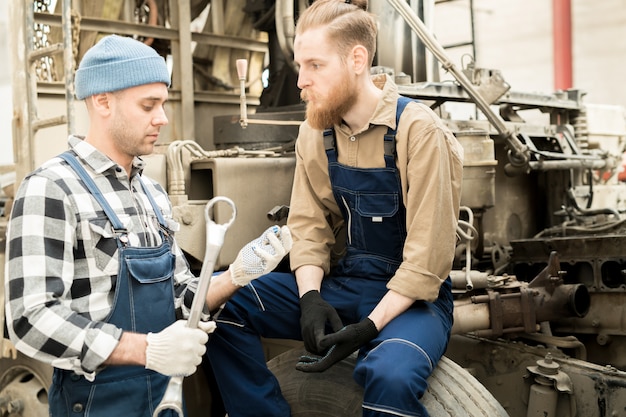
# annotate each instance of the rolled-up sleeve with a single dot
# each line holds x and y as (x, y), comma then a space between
(431, 190)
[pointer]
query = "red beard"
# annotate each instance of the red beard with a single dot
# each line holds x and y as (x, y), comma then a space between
(323, 113)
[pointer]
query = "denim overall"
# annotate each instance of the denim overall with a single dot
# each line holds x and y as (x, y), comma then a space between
(392, 368)
(144, 302)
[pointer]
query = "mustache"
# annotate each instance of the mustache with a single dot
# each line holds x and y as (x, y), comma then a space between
(305, 95)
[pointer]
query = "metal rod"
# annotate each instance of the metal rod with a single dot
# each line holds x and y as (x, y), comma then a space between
(68, 59)
(49, 122)
(242, 71)
(518, 149)
(44, 52)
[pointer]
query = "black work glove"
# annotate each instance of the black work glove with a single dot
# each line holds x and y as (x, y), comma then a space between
(314, 313)
(342, 344)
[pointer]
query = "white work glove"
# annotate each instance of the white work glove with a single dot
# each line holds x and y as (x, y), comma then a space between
(261, 255)
(177, 350)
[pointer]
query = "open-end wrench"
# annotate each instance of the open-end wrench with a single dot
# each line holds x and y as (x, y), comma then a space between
(173, 397)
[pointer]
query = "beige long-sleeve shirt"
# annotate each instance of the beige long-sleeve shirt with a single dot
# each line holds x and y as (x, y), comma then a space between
(430, 164)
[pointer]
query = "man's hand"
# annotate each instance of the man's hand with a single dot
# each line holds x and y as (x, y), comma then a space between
(261, 256)
(315, 313)
(177, 350)
(342, 344)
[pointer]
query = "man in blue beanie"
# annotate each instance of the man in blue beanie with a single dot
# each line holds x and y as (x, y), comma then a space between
(95, 279)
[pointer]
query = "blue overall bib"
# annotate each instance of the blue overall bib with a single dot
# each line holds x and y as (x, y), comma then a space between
(392, 368)
(143, 302)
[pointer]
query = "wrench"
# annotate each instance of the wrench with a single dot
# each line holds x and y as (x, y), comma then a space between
(173, 397)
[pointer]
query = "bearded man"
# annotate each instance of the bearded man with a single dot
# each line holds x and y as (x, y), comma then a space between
(379, 176)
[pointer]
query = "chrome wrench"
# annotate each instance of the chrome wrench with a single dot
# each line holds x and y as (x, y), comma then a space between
(173, 397)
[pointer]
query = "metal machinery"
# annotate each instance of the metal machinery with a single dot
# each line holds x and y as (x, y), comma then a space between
(538, 276)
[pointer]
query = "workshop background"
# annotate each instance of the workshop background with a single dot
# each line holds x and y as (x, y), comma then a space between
(517, 37)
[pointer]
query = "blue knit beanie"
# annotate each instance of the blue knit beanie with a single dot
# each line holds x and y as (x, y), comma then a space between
(116, 63)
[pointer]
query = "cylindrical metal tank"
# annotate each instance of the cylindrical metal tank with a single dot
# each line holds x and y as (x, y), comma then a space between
(398, 48)
(479, 169)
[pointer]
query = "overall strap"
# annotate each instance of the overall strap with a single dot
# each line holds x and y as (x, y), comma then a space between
(155, 207)
(71, 159)
(329, 144)
(390, 136)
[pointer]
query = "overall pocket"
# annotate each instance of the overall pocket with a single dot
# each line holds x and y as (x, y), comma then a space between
(150, 272)
(382, 230)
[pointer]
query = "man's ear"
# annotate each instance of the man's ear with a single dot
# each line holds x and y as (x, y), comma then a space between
(101, 102)
(360, 58)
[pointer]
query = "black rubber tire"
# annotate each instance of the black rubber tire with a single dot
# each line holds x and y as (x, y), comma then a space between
(452, 391)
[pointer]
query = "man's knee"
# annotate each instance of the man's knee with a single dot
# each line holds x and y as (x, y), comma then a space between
(396, 365)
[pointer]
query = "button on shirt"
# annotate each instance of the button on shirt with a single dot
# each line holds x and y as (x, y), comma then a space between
(430, 164)
(62, 258)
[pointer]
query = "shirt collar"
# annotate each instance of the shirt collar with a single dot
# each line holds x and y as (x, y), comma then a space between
(385, 112)
(98, 161)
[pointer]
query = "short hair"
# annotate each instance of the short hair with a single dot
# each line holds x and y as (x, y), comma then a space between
(348, 24)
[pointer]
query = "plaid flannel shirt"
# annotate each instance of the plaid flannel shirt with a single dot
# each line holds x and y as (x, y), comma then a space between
(62, 259)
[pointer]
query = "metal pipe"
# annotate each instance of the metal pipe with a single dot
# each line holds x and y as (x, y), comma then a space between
(68, 59)
(479, 279)
(242, 71)
(562, 43)
(285, 30)
(182, 75)
(519, 151)
(567, 164)
(564, 301)
(31, 90)
(475, 314)
(469, 317)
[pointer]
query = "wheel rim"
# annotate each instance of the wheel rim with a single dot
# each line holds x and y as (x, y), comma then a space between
(24, 392)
